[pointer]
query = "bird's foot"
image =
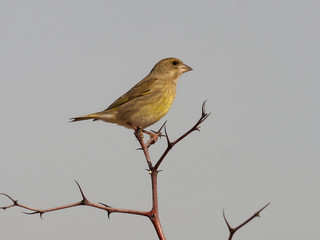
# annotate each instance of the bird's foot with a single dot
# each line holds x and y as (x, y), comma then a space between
(154, 136)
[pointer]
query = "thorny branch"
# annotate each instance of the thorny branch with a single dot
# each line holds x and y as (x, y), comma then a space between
(196, 127)
(145, 145)
(232, 230)
(83, 202)
(153, 214)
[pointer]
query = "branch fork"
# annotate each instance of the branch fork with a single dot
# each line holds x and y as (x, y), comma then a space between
(232, 230)
(153, 214)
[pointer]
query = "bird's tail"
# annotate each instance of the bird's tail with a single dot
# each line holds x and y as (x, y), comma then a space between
(93, 116)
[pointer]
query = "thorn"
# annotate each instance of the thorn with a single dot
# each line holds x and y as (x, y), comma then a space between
(104, 204)
(149, 171)
(108, 212)
(15, 202)
(204, 108)
(34, 212)
(225, 219)
(30, 213)
(166, 133)
(84, 199)
(163, 125)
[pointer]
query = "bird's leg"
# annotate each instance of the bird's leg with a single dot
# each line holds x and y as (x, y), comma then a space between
(137, 131)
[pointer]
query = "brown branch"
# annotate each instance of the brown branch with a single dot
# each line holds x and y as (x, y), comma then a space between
(153, 214)
(232, 230)
(170, 144)
(83, 202)
(154, 217)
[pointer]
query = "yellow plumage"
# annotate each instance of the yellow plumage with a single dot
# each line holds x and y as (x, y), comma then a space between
(148, 101)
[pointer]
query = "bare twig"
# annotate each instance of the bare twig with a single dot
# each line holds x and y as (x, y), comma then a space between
(170, 144)
(83, 202)
(154, 170)
(153, 214)
(232, 230)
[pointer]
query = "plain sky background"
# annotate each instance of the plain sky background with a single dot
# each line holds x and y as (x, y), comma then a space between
(256, 62)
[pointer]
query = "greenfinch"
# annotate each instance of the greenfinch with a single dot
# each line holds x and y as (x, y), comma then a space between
(146, 102)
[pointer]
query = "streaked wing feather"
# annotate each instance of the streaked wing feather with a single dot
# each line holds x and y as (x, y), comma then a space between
(140, 89)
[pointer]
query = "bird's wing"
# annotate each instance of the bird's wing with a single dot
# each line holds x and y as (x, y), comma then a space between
(140, 89)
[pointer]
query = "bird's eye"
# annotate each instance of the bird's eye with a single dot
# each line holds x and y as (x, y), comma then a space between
(175, 62)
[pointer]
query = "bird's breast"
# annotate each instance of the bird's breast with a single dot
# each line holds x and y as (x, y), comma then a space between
(150, 108)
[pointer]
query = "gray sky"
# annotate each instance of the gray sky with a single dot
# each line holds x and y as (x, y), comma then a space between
(257, 63)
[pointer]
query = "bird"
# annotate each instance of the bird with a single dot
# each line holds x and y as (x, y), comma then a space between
(147, 101)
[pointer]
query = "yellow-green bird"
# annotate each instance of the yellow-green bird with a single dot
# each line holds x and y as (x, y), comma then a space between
(148, 101)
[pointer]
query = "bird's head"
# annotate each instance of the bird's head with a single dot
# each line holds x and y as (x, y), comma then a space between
(170, 67)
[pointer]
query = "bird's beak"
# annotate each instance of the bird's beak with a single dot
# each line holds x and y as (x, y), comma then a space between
(185, 68)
